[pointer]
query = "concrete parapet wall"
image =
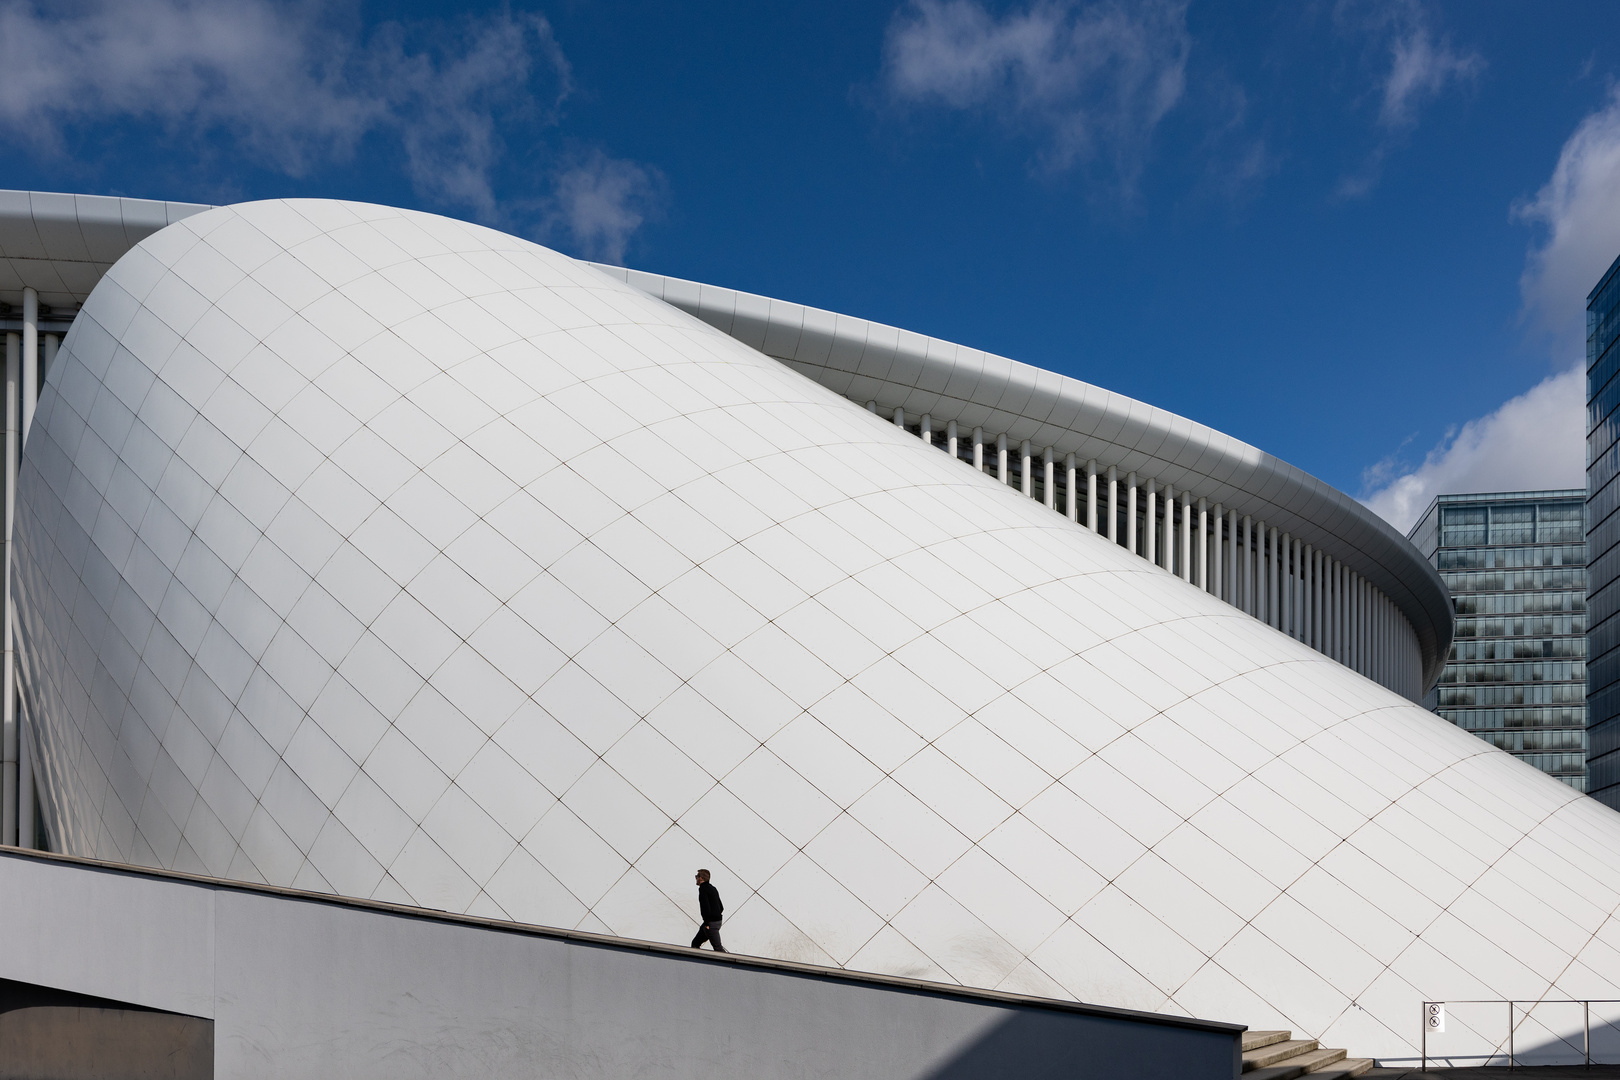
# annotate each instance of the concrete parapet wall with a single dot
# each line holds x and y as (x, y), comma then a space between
(305, 985)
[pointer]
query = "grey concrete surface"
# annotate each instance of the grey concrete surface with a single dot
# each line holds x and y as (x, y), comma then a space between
(301, 985)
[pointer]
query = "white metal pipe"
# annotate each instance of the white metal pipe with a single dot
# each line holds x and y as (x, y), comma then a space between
(1186, 536)
(1130, 513)
(1072, 504)
(25, 784)
(1273, 609)
(8, 669)
(1203, 545)
(30, 359)
(1248, 566)
(1150, 520)
(1091, 495)
(1168, 554)
(1113, 504)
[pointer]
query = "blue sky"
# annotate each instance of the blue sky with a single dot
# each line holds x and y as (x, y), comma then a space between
(1357, 234)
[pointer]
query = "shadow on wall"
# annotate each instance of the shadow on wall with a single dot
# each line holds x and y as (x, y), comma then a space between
(48, 1034)
(1042, 1045)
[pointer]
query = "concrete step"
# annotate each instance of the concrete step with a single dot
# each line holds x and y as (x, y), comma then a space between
(1343, 1070)
(1275, 1053)
(1254, 1040)
(1298, 1065)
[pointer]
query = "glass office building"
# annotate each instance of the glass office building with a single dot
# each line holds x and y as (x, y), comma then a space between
(1515, 563)
(1603, 534)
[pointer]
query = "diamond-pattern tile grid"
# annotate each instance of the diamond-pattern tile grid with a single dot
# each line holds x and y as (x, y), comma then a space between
(372, 552)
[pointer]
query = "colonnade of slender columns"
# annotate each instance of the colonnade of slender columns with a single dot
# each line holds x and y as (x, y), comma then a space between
(1265, 571)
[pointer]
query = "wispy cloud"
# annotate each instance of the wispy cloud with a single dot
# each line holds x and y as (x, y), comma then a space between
(1089, 81)
(600, 201)
(289, 85)
(297, 86)
(1414, 66)
(1534, 440)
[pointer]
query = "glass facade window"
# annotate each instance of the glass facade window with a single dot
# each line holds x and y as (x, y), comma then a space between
(1603, 536)
(1516, 677)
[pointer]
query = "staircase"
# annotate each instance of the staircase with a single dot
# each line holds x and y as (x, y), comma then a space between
(1274, 1055)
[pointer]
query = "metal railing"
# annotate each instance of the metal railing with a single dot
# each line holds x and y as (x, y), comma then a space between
(1434, 1018)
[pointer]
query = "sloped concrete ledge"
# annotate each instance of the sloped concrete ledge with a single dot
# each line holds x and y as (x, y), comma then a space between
(302, 984)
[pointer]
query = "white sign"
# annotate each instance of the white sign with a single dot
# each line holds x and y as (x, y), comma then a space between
(1434, 1015)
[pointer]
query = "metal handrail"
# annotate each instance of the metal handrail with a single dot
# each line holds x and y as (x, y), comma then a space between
(1585, 1003)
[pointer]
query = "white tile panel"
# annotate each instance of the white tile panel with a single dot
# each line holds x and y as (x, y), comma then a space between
(652, 600)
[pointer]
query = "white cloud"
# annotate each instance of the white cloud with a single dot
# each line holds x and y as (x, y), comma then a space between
(1414, 66)
(1579, 209)
(1538, 439)
(1421, 67)
(1088, 79)
(290, 86)
(600, 201)
(1533, 441)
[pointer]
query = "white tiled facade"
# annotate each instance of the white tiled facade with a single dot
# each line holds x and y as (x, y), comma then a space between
(367, 551)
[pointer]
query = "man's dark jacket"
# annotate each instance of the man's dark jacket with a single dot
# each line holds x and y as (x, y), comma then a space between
(709, 902)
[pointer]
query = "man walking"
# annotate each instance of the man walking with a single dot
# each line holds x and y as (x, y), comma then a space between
(709, 907)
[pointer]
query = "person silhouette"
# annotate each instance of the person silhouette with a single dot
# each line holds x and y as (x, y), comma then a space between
(709, 907)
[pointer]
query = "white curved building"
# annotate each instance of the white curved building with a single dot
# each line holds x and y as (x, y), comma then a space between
(371, 552)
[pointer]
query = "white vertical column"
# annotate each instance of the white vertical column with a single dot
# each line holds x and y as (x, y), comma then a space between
(1113, 504)
(1001, 459)
(1130, 513)
(1273, 581)
(950, 438)
(1234, 595)
(1217, 522)
(1073, 504)
(30, 359)
(1168, 554)
(1051, 480)
(8, 679)
(925, 430)
(978, 448)
(1285, 580)
(1026, 478)
(1355, 623)
(1150, 523)
(1091, 495)
(871, 406)
(1341, 618)
(1296, 578)
(25, 784)
(900, 418)
(1202, 580)
(1186, 551)
(1248, 565)
(1313, 605)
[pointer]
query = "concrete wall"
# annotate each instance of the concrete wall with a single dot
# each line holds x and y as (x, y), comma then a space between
(302, 985)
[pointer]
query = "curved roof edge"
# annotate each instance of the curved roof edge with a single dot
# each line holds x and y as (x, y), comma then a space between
(868, 361)
(61, 245)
